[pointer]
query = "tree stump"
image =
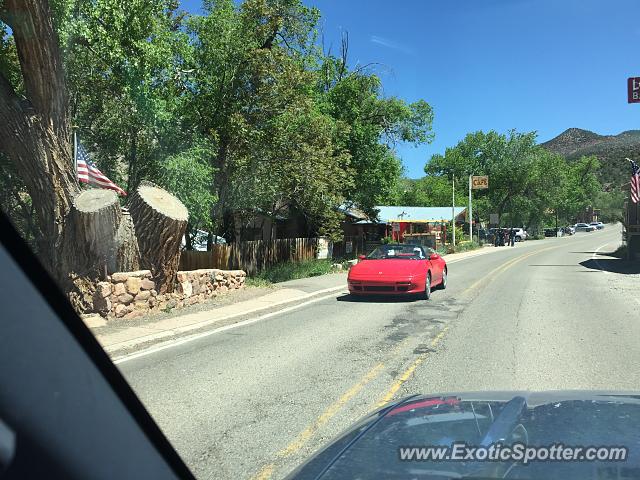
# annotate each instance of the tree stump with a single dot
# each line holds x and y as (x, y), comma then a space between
(160, 220)
(96, 219)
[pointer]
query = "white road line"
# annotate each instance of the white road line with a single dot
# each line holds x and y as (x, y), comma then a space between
(594, 255)
(182, 341)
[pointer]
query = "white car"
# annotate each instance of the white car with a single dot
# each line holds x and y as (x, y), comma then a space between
(521, 234)
(598, 225)
(584, 227)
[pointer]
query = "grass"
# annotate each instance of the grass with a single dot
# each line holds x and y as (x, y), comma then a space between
(290, 271)
(461, 247)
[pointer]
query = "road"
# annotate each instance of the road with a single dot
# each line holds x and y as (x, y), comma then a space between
(255, 401)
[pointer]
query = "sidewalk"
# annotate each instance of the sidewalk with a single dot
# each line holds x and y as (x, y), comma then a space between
(119, 337)
(122, 337)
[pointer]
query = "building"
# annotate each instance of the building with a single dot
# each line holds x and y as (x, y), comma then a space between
(400, 223)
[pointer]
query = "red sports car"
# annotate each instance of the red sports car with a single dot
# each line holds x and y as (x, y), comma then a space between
(398, 269)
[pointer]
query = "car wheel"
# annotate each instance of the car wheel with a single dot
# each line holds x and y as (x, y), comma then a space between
(443, 283)
(427, 287)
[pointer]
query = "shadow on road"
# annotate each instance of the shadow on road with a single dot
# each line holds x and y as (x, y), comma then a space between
(379, 298)
(615, 265)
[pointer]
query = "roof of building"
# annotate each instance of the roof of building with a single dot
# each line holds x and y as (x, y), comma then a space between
(388, 214)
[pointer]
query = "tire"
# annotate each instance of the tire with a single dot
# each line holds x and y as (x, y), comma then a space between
(443, 283)
(427, 287)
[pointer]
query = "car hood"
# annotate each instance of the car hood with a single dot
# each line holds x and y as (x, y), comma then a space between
(371, 448)
(387, 268)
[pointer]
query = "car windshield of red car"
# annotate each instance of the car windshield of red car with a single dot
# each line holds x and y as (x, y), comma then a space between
(408, 252)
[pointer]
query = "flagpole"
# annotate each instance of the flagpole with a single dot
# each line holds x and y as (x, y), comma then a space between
(453, 209)
(75, 153)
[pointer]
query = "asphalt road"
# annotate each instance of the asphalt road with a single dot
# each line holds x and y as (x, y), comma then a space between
(255, 401)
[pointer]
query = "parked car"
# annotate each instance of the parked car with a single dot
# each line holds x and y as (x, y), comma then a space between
(584, 227)
(521, 234)
(550, 232)
(598, 225)
(569, 230)
(394, 269)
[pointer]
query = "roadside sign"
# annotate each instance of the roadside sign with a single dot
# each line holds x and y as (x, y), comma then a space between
(633, 90)
(479, 182)
(348, 248)
(494, 218)
(323, 248)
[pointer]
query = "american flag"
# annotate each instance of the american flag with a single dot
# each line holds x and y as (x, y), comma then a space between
(635, 181)
(89, 173)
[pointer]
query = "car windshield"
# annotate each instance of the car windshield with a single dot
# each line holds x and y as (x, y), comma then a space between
(278, 216)
(397, 252)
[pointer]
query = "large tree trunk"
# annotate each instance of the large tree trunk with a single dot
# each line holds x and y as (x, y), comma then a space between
(160, 221)
(35, 134)
(220, 211)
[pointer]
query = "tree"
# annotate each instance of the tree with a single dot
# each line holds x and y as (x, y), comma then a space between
(78, 234)
(376, 125)
(35, 132)
(249, 90)
(429, 191)
(527, 184)
(123, 68)
(189, 176)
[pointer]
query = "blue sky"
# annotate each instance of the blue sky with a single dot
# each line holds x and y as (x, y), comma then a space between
(543, 65)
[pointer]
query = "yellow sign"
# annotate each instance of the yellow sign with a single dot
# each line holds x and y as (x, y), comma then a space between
(479, 182)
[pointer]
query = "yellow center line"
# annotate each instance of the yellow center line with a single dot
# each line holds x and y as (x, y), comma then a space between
(409, 371)
(308, 432)
(265, 473)
(489, 276)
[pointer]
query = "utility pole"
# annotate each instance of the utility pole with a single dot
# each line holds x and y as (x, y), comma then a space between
(470, 211)
(453, 208)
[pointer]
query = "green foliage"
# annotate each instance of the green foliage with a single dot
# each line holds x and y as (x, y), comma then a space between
(189, 176)
(527, 184)
(121, 64)
(465, 246)
(429, 191)
(376, 124)
(236, 111)
(610, 205)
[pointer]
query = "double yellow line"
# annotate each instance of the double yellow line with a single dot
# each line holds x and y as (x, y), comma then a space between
(498, 270)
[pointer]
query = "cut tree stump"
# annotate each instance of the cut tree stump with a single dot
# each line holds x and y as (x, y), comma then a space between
(160, 220)
(97, 216)
(106, 231)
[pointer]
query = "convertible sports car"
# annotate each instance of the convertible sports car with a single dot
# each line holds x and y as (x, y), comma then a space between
(398, 269)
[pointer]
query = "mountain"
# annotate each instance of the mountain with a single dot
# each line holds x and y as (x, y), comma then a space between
(611, 150)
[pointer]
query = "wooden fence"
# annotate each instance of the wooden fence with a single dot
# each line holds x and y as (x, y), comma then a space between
(252, 257)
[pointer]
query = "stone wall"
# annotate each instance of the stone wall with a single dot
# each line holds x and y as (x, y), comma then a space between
(133, 294)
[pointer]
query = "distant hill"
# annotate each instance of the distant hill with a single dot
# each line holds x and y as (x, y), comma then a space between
(611, 150)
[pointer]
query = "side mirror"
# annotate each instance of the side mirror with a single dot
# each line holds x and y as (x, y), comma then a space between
(434, 256)
(361, 257)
